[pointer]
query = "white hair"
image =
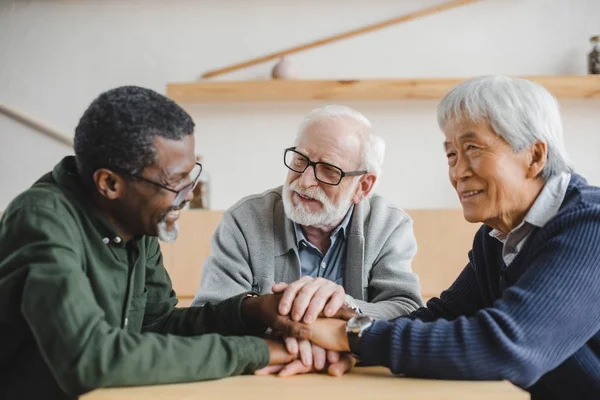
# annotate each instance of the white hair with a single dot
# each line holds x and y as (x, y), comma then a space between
(520, 111)
(373, 146)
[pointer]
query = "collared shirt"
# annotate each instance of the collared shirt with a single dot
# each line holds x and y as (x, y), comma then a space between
(75, 296)
(543, 210)
(331, 265)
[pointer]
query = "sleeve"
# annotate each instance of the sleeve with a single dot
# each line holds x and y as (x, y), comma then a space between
(394, 289)
(226, 271)
(82, 350)
(161, 315)
(541, 320)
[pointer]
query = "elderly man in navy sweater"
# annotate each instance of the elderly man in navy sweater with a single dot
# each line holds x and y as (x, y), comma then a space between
(526, 306)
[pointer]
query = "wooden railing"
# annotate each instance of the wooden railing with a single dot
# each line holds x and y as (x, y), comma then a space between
(35, 125)
(360, 31)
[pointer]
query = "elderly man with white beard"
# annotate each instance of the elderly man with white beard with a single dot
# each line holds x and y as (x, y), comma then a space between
(324, 239)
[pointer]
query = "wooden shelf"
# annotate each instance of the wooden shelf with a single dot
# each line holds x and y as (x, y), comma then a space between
(581, 86)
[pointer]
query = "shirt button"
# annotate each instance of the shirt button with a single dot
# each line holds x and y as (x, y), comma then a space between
(105, 240)
(323, 265)
(117, 240)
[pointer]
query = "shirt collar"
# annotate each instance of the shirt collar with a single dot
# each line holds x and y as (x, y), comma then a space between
(340, 230)
(65, 174)
(545, 206)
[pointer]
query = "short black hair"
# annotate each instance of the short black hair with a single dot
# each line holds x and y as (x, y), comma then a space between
(117, 130)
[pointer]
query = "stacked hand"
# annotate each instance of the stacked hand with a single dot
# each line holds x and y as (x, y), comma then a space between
(299, 306)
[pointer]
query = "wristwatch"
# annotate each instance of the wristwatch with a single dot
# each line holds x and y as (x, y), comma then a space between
(355, 328)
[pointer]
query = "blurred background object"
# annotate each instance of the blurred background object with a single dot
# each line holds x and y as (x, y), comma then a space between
(594, 56)
(200, 200)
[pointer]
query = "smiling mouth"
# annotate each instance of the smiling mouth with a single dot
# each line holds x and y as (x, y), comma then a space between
(172, 215)
(470, 193)
(303, 197)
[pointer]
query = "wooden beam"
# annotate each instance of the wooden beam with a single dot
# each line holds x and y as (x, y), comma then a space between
(360, 31)
(584, 86)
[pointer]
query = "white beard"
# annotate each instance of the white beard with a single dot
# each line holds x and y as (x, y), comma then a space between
(328, 217)
(165, 234)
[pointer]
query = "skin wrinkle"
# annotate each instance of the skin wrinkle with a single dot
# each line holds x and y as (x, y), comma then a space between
(480, 160)
(335, 141)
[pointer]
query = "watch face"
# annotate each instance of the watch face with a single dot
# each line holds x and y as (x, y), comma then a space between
(356, 324)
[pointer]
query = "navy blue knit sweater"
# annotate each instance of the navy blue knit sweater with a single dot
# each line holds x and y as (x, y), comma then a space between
(535, 323)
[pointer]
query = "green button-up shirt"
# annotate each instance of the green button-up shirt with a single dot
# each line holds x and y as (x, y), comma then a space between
(80, 308)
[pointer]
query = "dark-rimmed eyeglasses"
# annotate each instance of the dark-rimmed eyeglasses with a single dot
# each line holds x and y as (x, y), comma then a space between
(180, 194)
(324, 172)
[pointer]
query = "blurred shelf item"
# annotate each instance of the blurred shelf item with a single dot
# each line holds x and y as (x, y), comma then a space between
(575, 86)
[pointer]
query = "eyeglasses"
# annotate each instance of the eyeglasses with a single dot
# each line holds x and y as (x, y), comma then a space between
(324, 172)
(182, 193)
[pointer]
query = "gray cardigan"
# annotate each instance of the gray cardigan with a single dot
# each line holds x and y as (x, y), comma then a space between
(255, 247)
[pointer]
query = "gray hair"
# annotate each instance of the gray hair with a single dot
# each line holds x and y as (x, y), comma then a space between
(520, 111)
(373, 146)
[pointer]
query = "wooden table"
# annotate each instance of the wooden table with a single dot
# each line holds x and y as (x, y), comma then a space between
(363, 383)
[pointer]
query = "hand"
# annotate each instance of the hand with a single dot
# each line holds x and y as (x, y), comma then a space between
(303, 348)
(278, 354)
(329, 334)
(264, 310)
(308, 297)
(335, 364)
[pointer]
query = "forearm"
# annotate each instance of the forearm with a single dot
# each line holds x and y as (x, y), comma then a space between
(457, 350)
(121, 359)
(84, 351)
(388, 309)
(226, 318)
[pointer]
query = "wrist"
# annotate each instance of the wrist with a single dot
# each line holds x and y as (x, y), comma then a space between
(249, 310)
(344, 343)
(355, 328)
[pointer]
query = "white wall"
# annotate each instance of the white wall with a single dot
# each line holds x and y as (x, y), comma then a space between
(56, 56)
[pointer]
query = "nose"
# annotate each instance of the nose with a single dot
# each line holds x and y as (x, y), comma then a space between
(461, 170)
(307, 178)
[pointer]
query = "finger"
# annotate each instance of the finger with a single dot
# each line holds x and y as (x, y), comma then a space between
(291, 344)
(319, 357)
(290, 328)
(321, 296)
(336, 300)
(332, 356)
(279, 287)
(294, 368)
(269, 370)
(278, 354)
(306, 352)
(304, 297)
(344, 365)
(287, 299)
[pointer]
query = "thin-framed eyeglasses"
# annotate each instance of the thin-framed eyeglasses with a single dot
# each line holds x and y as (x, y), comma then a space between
(326, 173)
(182, 193)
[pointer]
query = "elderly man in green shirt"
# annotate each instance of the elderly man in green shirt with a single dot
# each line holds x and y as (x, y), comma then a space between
(85, 300)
